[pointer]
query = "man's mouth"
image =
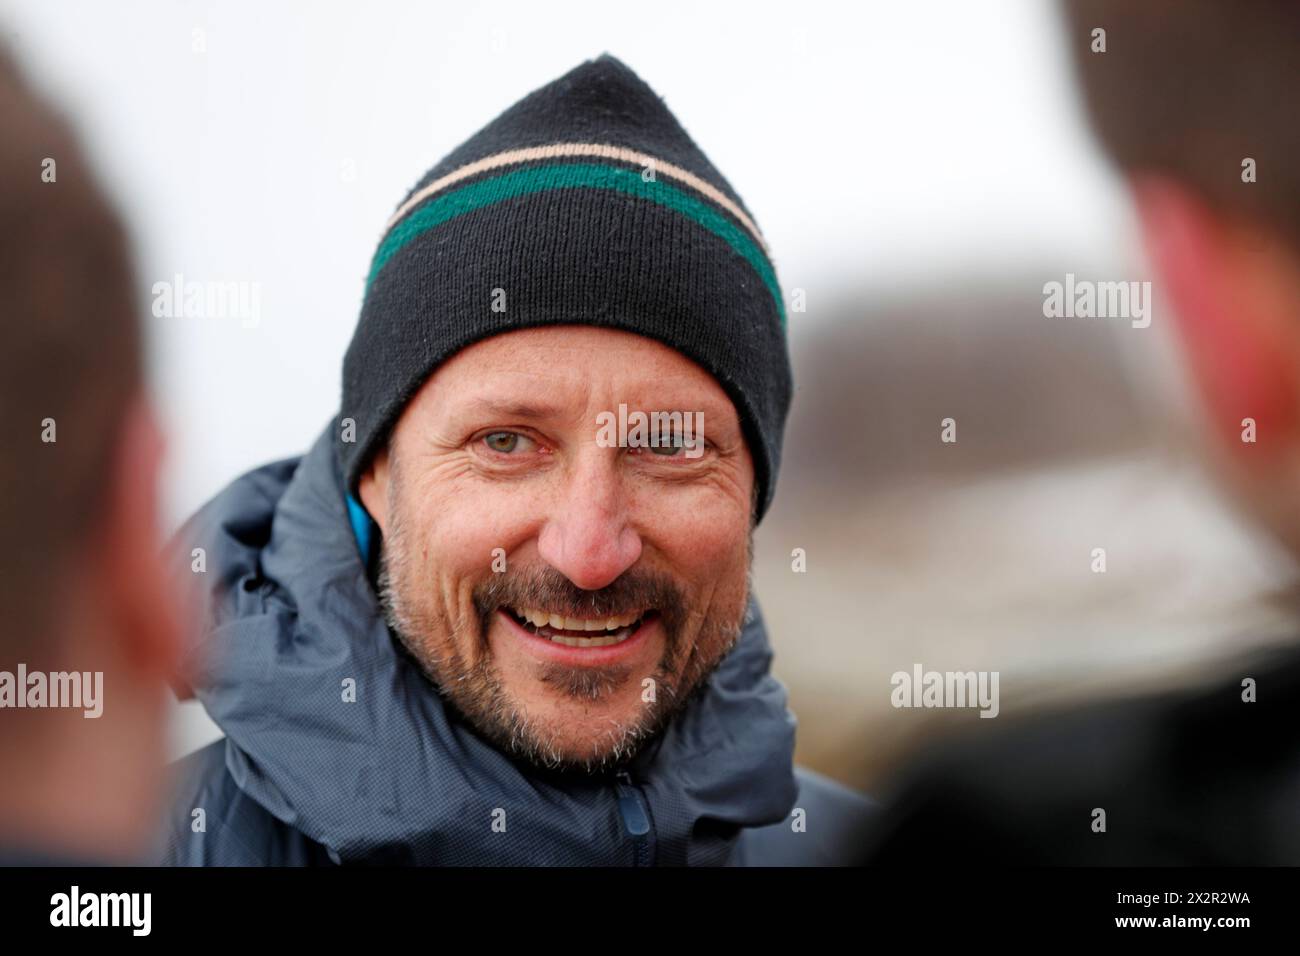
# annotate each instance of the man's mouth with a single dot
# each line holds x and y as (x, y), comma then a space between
(579, 632)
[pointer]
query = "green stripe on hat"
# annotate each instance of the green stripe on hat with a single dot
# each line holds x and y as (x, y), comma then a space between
(458, 202)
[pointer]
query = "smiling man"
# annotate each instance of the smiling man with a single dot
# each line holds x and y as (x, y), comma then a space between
(468, 626)
(620, 576)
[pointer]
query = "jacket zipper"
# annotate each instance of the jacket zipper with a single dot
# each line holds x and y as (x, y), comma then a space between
(636, 817)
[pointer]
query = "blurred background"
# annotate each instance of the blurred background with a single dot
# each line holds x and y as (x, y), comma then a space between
(919, 169)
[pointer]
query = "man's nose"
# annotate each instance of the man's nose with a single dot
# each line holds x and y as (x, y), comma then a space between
(588, 537)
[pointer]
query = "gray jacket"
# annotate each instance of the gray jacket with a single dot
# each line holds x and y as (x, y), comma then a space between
(394, 777)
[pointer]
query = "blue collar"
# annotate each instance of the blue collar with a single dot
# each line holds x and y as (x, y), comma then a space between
(363, 528)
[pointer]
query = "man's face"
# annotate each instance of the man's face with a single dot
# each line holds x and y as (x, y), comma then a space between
(566, 596)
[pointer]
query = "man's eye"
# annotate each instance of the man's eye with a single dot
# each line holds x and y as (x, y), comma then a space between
(676, 446)
(504, 442)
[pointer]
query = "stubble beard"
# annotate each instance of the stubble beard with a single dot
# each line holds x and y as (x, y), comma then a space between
(473, 687)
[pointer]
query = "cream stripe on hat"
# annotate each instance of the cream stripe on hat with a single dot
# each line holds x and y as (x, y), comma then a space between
(557, 150)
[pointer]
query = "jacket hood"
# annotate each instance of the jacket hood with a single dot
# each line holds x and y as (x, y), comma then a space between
(289, 614)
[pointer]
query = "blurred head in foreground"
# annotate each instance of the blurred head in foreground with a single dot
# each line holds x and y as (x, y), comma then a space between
(88, 636)
(1196, 103)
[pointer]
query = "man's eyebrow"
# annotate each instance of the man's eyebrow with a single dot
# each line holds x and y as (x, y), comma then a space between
(508, 408)
(533, 410)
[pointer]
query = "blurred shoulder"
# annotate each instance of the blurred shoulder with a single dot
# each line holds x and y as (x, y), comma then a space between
(1200, 774)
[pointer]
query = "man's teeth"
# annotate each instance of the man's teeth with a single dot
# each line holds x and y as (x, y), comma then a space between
(543, 619)
(604, 631)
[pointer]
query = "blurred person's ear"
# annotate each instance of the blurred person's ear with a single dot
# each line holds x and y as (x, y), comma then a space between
(1235, 289)
(136, 593)
(1234, 285)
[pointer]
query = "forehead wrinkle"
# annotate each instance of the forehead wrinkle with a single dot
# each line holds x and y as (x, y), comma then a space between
(533, 378)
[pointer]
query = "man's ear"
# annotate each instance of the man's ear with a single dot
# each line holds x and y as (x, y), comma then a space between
(1232, 287)
(138, 598)
(373, 488)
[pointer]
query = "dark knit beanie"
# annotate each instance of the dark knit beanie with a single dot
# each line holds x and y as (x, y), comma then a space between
(584, 203)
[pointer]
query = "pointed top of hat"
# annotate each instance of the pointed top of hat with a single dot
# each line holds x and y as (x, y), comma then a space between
(599, 102)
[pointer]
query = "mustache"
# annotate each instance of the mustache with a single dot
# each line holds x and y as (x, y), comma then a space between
(546, 588)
